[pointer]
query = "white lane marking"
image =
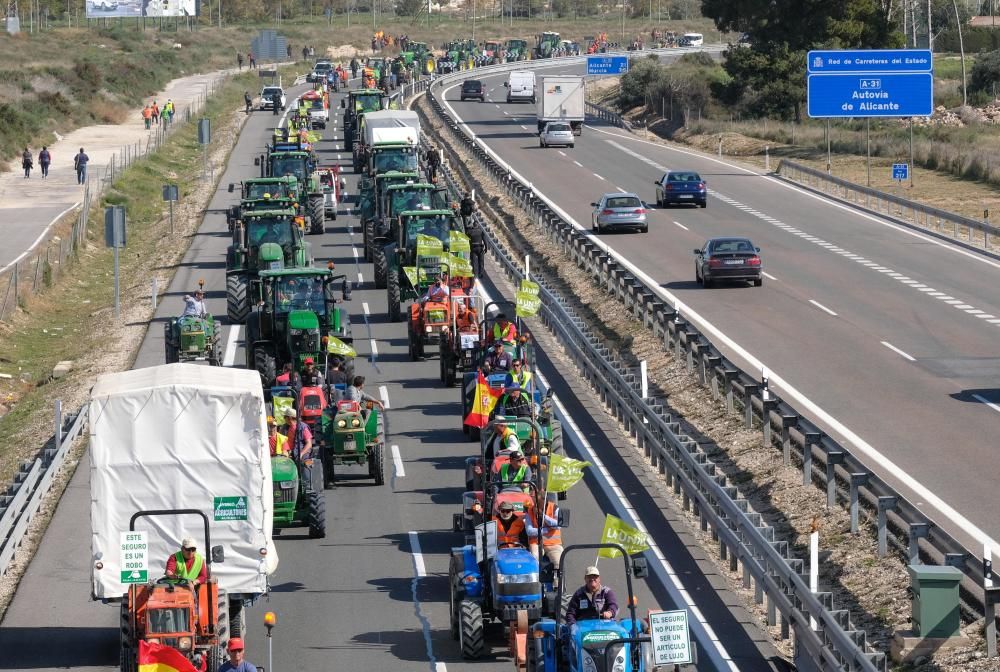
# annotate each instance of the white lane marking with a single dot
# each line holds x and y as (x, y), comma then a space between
(808, 405)
(822, 307)
(234, 336)
(418, 557)
(620, 190)
(523, 127)
(631, 515)
(995, 407)
(768, 275)
(897, 351)
(562, 152)
(419, 572)
(361, 278)
(374, 347)
(578, 163)
(354, 249)
(364, 306)
(599, 177)
(682, 226)
(383, 392)
(397, 460)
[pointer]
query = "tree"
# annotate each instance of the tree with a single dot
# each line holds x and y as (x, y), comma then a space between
(986, 73)
(409, 7)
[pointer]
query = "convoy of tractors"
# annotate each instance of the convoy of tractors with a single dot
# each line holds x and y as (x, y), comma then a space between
(236, 484)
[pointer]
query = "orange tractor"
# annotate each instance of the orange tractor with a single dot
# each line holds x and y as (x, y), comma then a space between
(181, 614)
(428, 319)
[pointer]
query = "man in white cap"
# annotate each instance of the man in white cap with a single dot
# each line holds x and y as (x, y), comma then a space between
(187, 564)
(592, 600)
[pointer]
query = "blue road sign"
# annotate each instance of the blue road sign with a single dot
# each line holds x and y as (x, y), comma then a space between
(607, 65)
(871, 95)
(901, 171)
(870, 60)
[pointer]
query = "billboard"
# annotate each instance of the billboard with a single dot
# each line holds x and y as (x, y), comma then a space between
(98, 9)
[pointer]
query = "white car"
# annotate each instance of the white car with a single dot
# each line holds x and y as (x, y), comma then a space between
(556, 133)
(267, 95)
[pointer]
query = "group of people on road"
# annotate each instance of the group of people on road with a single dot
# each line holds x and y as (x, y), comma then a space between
(152, 114)
(80, 162)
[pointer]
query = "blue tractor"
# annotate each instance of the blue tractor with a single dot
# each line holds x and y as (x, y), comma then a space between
(593, 645)
(499, 582)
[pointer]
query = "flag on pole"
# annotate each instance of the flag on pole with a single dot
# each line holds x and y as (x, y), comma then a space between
(483, 402)
(162, 658)
(617, 531)
(527, 301)
(564, 472)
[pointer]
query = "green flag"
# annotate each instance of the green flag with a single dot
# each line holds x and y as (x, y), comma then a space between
(460, 266)
(335, 346)
(617, 531)
(458, 242)
(527, 301)
(429, 246)
(281, 405)
(564, 472)
(416, 276)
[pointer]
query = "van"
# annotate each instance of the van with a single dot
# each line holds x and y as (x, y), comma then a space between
(520, 86)
(692, 40)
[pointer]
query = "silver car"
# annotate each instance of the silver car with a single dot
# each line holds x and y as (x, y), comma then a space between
(556, 133)
(619, 211)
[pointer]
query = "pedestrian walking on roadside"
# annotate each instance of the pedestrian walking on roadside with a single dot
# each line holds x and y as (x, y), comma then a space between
(155, 109)
(80, 164)
(253, 61)
(147, 115)
(305, 53)
(44, 159)
(239, 60)
(168, 111)
(27, 163)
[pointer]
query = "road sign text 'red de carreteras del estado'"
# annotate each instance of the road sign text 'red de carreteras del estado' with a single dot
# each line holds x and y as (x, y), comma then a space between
(870, 83)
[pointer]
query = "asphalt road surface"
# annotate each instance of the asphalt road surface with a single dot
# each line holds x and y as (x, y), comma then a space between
(373, 594)
(892, 333)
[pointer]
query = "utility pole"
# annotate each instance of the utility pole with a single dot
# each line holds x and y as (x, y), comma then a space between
(930, 30)
(961, 48)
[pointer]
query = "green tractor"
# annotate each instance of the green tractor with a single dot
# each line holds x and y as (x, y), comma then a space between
(393, 198)
(419, 252)
(192, 338)
(545, 44)
(357, 104)
(352, 435)
(370, 207)
(297, 318)
(298, 495)
(262, 240)
(291, 159)
(266, 193)
(517, 50)
(420, 56)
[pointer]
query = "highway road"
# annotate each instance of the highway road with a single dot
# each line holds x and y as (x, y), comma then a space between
(893, 333)
(373, 593)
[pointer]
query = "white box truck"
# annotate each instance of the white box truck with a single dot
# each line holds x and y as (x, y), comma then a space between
(562, 98)
(181, 451)
(520, 86)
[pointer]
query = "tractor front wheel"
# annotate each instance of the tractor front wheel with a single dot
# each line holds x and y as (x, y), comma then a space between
(316, 214)
(392, 289)
(237, 305)
(266, 366)
(317, 514)
(369, 236)
(214, 659)
(381, 266)
(237, 619)
(376, 464)
(172, 354)
(470, 631)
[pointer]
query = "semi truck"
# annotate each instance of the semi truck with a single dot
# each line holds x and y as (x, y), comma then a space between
(561, 98)
(178, 452)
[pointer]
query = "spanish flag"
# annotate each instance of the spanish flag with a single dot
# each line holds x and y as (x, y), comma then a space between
(161, 658)
(484, 401)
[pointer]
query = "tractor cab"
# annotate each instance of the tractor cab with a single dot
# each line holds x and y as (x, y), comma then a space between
(298, 164)
(363, 101)
(545, 44)
(272, 239)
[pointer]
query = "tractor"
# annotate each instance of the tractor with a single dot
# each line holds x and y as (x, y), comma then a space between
(262, 240)
(371, 208)
(500, 582)
(192, 338)
(296, 318)
(606, 645)
(428, 321)
(493, 48)
(332, 183)
(421, 57)
(545, 44)
(298, 494)
(293, 159)
(351, 434)
(517, 50)
(460, 340)
(418, 252)
(357, 104)
(393, 195)
(265, 193)
(177, 613)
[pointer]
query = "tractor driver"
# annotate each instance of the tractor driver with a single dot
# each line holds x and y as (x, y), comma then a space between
(518, 375)
(300, 442)
(194, 306)
(510, 527)
(279, 442)
(514, 403)
(499, 360)
(272, 234)
(187, 564)
(439, 291)
(465, 318)
(310, 375)
(356, 393)
(503, 330)
(515, 471)
(592, 600)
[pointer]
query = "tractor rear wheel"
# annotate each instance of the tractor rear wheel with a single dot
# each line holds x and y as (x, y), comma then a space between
(381, 266)
(172, 355)
(470, 630)
(317, 514)
(237, 305)
(411, 340)
(214, 659)
(317, 212)
(266, 366)
(369, 235)
(455, 597)
(450, 374)
(237, 619)
(392, 289)
(376, 464)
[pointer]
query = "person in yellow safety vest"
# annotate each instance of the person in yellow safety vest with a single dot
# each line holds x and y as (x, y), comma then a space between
(518, 374)
(187, 564)
(551, 534)
(503, 330)
(278, 441)
(514, 472)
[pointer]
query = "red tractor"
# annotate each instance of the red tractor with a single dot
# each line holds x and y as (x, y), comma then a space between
(428, 320)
